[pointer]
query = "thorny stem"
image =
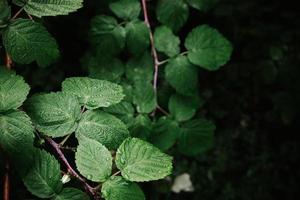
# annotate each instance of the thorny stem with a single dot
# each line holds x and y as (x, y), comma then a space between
(71, 171)
(6, 178)
(153, 50)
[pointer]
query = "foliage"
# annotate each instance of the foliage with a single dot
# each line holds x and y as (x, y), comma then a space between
(118, 124)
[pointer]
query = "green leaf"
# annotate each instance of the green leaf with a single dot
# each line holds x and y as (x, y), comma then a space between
(197, 136)
(104, 68)
(54, 114)
(184, 108)
(123, 110)
(172, 13)
(208, 48)
(93, 160)
(126, 9)
(165, 133)
(43, 177)
(144, 97)
(13, 90)
(140, 68)
(137, 37)
(141, 161)
(166, 42)
(202, 5)
(71, 194)
(182, 75)
(27, 41)
(41, 8)
(108, 36)
(5, 13)
(93, 93)
(102, 127)
(117, 188)
(16, 132)
(141, 127)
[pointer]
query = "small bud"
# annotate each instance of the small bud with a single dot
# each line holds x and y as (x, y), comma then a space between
(65, 179)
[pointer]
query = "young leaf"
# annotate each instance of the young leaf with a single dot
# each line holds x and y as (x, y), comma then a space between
(182, 75)
(108, 36)
(54, 114)
(102, 127)
(126, 9)
(208, 48)
(27, 41)
(93, 160)
(202, 5)
(93, 93)
(144, 97)
(71, 194)
(172, 13)
(41, 8)
(165, 133)
(16, 132)
(197, 136)
(184, 108)
(13, 90)
(43, 177)
(117, 188)
(166, 41)
(141, 161)
(137, 37)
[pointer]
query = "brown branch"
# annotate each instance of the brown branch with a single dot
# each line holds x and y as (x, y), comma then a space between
(18, 13)
(6, 185)
(8, 61)
(71, 171)
(153, 50)
(162, 110)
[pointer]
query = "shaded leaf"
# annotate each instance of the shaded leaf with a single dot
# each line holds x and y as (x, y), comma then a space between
(203, 5)
(172, 13)
(197, 136)
(184, 108)
(164, 133)
(166, 42)
(208, 48)
(182, 75)
(108, 36)
(126, 9)
(144, 97)
(137, 37)
(140, 68)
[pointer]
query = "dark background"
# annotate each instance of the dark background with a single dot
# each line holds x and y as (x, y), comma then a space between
(254, 99)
